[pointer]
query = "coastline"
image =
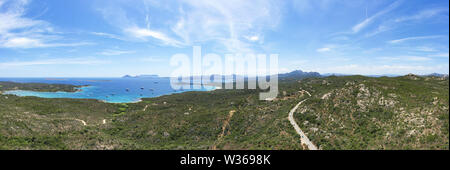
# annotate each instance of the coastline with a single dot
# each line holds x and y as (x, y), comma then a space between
(81, 88)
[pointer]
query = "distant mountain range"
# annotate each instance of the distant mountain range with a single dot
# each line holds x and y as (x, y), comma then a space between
(140, 76)
(386, 75)
(298, 74)
(293, 74)
(339, 74)
(437, 75)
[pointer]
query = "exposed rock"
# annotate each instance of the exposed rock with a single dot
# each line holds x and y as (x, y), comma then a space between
(166, 134)
(412, 76)
(151, 133)
(305, 123)
(350, 83)
(363, 91)
(386, 102)
(326, 96)
(435, 100)
(392, 95)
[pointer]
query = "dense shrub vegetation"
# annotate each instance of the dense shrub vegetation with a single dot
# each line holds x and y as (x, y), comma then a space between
(37, 87)
(352, 112)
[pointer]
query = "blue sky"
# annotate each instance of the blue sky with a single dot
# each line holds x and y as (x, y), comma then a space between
(98, 38)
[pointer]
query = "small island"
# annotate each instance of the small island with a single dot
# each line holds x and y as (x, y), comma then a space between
(141, 76)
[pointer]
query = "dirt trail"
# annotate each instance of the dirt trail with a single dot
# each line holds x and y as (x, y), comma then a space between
(82, 121)
(224, 126)
(145, 108)
(303, 138)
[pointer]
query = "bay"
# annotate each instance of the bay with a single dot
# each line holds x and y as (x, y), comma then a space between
(111, 90)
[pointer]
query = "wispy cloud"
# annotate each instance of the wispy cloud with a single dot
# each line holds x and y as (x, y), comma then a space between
(417, 58)
(415, 38)
(330, 47)
(384, 69)
(405, 58)
(226, 22)
(26, 42)
(61, 61)
(115, 52)
(445, 55)
(143, 33)
(424, 14)
(151, 59)
(253, 38)
(325, 49)
(425, 49)
(18, 31)
(358, 27)
(107, 35)
(232, 26)
(307, 6)
(380, 29)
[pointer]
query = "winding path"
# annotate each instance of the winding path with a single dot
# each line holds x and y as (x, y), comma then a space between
(224, 126)
(303, 138)
(145, 108)
(82, 121)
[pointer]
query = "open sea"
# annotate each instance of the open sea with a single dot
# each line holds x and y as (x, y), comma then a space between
(111, 90)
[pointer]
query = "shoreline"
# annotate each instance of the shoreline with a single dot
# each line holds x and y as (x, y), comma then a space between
(77, 90)
(80, 89)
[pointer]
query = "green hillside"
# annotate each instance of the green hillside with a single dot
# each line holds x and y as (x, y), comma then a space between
(357, 112)
(352, 112)
(37, 87)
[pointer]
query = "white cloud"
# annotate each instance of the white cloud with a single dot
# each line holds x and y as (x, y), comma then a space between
(18, 31)
(21, 41)
(425, 49)
(107, 35)
(325, 49)
(428, 13)
(65, 61)
(445, 55)
(331, 47)
(143, 33)
(252, 38)
(340, 38)
(115, 52)
(26, 42)
(231, 26)
(417, 58)
(380, 29)
(414, 38)
(358, 27)
(225, 22)
(12, 17)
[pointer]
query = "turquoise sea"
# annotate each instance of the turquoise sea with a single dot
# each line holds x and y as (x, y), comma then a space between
(111, 90)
